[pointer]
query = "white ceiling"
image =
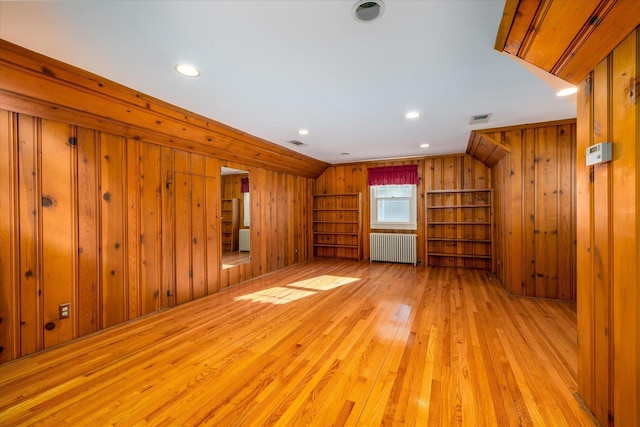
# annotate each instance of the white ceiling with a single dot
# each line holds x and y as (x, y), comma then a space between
(272, 67)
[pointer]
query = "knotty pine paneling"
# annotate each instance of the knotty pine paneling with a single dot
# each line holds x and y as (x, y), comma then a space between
(608, 252)
(120, 228)
(461, 172)
(436, 173)
(565, 38)
(535, 210)
(9, 257)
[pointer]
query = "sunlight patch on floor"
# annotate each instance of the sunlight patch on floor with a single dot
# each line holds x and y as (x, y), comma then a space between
(297, 290)
(276, 295)
(324, 283)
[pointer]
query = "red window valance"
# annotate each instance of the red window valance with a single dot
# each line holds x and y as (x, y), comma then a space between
(394, 175)
(244, 185)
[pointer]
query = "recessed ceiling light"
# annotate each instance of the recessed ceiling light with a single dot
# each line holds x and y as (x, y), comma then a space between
(187, 70)
(412, 115)
(303, 132)
(424, 145)
(568, 91)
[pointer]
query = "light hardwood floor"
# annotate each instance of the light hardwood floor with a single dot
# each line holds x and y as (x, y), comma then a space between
(326, 342)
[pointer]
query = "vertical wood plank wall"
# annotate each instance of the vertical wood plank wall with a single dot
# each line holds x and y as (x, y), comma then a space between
(119, 228)
(608, 238)
(436, 173)
(534, 209)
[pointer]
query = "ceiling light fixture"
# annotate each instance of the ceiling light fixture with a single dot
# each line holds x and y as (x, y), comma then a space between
(424, 145)
(187, 70)
(303, 132)
(367, 11)
(412, 115)
(568, 91)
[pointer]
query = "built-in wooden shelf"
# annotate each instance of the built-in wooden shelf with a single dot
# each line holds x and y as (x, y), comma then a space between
(337, 225)
(230, 224)
(460, 228)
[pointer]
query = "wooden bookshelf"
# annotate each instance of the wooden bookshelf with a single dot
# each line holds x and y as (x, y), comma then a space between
(337, 225)
(460, 228)
(230, 224)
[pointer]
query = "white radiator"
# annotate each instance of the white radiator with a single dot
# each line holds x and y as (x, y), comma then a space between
(243, 241)
(391, 247)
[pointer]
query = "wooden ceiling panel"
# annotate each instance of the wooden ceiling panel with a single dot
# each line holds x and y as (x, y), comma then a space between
(486, 149)
(554, 28)
(605, 36)
(566, 38)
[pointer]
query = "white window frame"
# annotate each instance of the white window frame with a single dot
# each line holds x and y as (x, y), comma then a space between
(412, 224)
(247, 209)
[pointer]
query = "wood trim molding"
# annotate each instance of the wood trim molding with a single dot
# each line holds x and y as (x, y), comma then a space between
(31, 83)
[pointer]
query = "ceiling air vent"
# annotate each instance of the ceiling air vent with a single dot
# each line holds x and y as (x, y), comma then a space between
(297, 143)
(480, 118)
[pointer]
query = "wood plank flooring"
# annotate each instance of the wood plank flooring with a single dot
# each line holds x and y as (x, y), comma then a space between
(326, 342)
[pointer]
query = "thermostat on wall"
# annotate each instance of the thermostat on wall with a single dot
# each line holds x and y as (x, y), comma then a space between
(599, 153)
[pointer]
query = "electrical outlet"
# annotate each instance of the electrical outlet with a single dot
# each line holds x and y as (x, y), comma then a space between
(64, 311)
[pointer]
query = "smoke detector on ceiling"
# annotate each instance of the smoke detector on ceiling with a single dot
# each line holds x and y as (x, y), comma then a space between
(367, 11)
(480, 118)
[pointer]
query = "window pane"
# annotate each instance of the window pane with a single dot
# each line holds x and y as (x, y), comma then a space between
(394, 191)
(393, 210)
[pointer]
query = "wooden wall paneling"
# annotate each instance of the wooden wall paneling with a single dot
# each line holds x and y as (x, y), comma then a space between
(212, 224)
(29, 211)
(169, 183)
(584, 243)
(88, 212)
(607, 239)
(281, 207)
(9, 291)
(295, 228)
(602, 252)
(113, 229)
(133, 207)
(150, 230)
(198, 233)
(566, 212)
(535, 181)
(625, 116)
(546, 210)
(510, 241)
(59, 236)
(529, 213)
(258, 233)
(182, 199)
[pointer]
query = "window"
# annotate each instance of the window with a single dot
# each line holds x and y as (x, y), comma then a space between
(394, 207)
(247, 210)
